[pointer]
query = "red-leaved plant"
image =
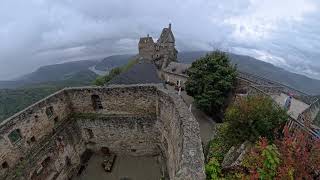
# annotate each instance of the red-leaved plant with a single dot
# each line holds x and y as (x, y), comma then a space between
(294, 156)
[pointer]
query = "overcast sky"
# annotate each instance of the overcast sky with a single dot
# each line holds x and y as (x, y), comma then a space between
(39, 32)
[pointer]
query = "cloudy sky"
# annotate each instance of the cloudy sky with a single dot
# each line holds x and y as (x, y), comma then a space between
(39, 32)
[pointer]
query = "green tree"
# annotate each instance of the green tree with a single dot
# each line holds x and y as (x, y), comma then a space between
(211, 78)
(253, 117)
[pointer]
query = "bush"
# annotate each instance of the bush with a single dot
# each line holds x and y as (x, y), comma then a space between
(213, 169)
(219, 145)
(210, 81)
(292, 157)
(262, 161)
(253, 117)
(217, 148)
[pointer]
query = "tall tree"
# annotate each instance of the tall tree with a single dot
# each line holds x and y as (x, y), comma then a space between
(210, 81)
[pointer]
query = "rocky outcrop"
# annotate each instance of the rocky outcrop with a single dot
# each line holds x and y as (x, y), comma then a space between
(235, 155)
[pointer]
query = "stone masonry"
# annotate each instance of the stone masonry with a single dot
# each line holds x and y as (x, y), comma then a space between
(162, 52)
(49, 139)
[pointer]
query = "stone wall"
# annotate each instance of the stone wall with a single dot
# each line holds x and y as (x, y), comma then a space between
(43, 143)
(127, 135)
(115, 100)
(146, 48)
(174, 78)
(134, 120)
(257, 80)
(180, 138)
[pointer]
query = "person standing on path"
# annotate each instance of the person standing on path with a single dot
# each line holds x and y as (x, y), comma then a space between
(287, 102)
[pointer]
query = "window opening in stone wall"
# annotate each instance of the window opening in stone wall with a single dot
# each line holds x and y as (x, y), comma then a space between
(33, 139)
(56, 119)
(15, 136)
(89, 133)
(68, 161)
(5, 165)
(46, 162)
(49, 111)
(96, 102)
(105, 150)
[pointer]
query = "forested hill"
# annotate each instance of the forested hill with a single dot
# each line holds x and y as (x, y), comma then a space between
(266, 70)
(48, 79)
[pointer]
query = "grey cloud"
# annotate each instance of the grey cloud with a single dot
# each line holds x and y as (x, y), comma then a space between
(40, 32)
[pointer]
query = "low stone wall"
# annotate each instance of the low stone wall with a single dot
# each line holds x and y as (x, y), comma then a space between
(48, 138)
(180, 137)
(174, 78)
(257, 80)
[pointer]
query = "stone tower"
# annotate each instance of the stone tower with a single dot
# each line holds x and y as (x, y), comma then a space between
(162, 52)
(146, 48)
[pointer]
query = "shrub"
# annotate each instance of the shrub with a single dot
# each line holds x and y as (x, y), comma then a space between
(253, 117)
(219, 145)
(262, 161)
(213, 169)
(300, 155)
(292, 157)
(210, 81)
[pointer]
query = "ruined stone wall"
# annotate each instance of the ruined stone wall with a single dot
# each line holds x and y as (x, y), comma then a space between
(147, 50)
(134, 120)
(126, 135)
(180, 138)
(115, 100)
(29, 137)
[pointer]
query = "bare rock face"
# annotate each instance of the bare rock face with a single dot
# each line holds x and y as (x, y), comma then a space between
(235, 156)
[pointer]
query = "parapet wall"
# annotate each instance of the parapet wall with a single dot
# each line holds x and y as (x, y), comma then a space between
(257, 80)
(50, 136)
(180, 138)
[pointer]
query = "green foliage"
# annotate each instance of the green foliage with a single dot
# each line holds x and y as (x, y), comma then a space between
(253, 117)
(294, 156)
(263, 160)
(102, 80)
(213, 169)
(219, 145)
(13, 101)
(211, 78)
(270, 163)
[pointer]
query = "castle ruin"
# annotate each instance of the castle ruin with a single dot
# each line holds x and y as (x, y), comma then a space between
(162, 52)
(55, 138)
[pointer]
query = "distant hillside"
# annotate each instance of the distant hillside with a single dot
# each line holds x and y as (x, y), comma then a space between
(73, 72)
(13, 101)
(48, 79)
(111, 62)
(267, 70)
